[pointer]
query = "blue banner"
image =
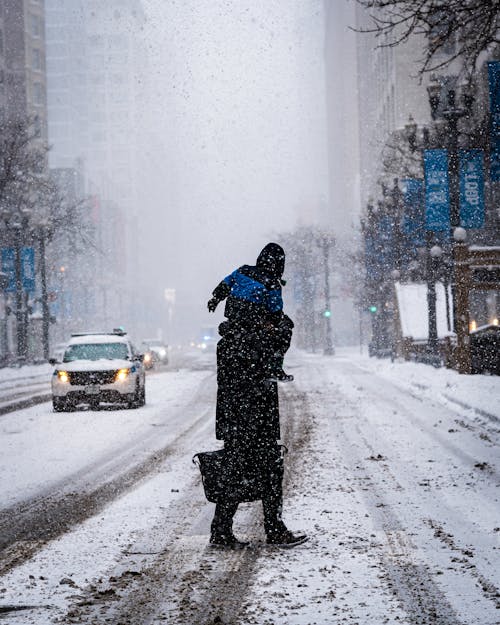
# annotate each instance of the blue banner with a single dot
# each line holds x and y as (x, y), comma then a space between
(414, 212)
(28, 269)
(494, 89)
(437, 190)
(471, 188)
(9, 268)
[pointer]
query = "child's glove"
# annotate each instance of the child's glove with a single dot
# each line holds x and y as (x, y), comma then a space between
(212, 304)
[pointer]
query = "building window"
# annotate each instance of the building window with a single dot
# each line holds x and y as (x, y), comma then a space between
(37, 93)
(37, 58)
(35, 26)
(38, 126)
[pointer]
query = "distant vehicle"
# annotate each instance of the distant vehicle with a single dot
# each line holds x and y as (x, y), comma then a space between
(98, 367)
(149, 356)
(208, 339)
(157, 349)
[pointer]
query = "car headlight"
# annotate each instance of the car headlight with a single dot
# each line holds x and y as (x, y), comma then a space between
(63, 376)
(162, 352)
(122, 375)
(147, 357)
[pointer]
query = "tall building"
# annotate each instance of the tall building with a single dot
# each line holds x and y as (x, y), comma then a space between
(389, 91)
(67, 82)
(3, 74)
(342, 103)
(95, 59)
(22, 61)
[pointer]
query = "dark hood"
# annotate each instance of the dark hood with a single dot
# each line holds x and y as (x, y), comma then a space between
(272, 260)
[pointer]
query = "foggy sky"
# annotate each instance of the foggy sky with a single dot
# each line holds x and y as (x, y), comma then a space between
(236, 105)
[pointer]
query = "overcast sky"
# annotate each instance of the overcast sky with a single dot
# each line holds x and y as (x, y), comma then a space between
(237, 101)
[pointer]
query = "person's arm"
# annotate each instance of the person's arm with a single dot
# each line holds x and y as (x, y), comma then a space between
(274, 303)
(220, 292)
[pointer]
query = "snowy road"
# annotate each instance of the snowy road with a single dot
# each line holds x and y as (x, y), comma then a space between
(393, 470)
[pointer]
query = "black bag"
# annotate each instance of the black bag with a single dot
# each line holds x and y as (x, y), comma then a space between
(245, 484)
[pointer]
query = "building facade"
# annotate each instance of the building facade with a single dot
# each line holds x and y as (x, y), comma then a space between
(94, 59)
(22, 64)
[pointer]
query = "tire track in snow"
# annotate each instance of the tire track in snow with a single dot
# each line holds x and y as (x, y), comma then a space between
(421, 597)
(25, 527)
(191, 582)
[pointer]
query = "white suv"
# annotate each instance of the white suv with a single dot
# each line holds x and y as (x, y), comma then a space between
(99, 367)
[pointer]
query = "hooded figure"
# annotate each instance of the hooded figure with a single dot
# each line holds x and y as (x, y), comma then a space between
(272, 260)
(256, 333)
(253, 292)
(254, 303)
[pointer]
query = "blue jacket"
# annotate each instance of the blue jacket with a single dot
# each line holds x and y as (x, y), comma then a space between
(254, 292)
(251, 294)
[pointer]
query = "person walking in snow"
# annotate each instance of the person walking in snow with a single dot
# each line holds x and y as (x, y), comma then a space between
(247, 420)
(254, 301)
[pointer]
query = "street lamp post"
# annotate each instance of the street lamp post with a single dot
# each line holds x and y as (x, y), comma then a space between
(329, 349)
(20, 318)
(44, 294)
(432, 255)
(443, 103)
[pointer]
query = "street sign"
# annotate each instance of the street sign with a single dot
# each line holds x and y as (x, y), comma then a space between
(437, 190)
(471, 189)
(28, 269)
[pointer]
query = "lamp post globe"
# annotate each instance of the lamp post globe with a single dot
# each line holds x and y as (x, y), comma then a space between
(395, 274)
(436, 251)
(460, 234)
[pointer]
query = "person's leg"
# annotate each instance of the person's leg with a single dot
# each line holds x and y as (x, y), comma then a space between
(269, 458)
(272, 502)
(280, 340)
(221, 530)
(222, 523)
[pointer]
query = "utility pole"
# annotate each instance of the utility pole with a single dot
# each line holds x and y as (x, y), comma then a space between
(20, 326)
(44, 296)
(329, 349)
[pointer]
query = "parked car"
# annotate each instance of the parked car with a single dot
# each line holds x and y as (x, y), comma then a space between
(485, 349)
(99, 367)
(157, 349)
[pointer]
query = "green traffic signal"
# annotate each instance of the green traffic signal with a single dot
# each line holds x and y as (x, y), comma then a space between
(327, 313)
(372, 309)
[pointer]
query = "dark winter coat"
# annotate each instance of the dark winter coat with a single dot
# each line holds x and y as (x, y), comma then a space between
(247, 404)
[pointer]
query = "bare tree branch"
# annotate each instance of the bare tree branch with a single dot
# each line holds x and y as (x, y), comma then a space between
(456, 29)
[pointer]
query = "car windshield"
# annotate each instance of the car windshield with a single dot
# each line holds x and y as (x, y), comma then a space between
(96, 351)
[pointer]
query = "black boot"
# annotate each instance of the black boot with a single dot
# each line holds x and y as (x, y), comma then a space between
(278, 375)
(221, 534)
(285, 539)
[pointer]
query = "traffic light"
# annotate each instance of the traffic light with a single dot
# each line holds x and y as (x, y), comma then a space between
(327, 313)
(372, 309)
